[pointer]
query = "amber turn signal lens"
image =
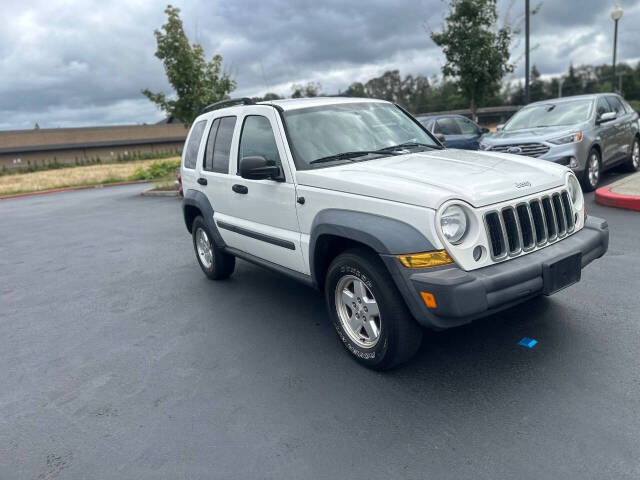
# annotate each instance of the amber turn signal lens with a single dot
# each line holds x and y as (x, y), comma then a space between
(426, 259)
(428, 299)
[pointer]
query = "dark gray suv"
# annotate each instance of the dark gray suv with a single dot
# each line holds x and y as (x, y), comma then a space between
(588, 133)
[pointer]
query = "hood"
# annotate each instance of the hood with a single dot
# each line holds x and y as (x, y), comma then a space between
(537, 134)
(430, 178)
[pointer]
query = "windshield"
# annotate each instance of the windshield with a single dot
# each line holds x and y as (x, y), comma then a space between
(550, 115)
(328, 131)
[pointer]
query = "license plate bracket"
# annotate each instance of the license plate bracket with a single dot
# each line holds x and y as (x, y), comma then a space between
(562, 273)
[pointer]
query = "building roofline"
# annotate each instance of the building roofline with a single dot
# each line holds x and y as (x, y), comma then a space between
(73, 146)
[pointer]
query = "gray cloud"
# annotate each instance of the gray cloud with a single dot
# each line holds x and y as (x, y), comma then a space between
(84, 62)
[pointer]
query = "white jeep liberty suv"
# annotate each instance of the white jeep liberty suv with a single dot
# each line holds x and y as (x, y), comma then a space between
(354, 197)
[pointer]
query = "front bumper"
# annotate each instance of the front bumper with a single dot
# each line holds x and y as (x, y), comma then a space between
(463, 296)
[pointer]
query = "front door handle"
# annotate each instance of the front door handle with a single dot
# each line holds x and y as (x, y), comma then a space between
(240, 188)
(202, 181)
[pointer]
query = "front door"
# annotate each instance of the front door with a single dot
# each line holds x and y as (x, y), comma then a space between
(260, 217)
(607, 131)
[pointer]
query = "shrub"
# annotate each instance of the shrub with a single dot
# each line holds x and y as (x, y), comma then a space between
(156, 170)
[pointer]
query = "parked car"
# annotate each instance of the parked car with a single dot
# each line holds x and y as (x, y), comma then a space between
(454, 131)
(588, 133)
(357, 199)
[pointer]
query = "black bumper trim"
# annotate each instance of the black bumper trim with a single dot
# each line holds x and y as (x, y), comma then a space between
(465, 296)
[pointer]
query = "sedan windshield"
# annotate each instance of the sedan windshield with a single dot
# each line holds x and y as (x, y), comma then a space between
(550, 115)
(351, 132)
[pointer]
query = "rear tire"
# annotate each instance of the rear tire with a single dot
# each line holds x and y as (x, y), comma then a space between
(592, 171)
(215, 264)
(368, 312)
(633, 163)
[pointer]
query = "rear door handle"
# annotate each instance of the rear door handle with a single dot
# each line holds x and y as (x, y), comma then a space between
(202, 181)
(240, 188)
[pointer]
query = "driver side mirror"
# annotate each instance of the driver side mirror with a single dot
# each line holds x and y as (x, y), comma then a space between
(259, 168)
(500, 127)
(484, 130)
(607, 117)
(439, 137)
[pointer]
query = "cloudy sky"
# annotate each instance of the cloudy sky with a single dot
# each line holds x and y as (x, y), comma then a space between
(84, 62)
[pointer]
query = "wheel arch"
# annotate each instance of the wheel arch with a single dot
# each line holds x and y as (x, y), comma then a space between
(597, 146)
(196, 203)
(335, 230)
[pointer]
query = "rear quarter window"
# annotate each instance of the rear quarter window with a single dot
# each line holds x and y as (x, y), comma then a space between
(193, 144)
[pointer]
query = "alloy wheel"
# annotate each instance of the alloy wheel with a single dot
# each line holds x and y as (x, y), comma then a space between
(594, 169)
(635, 154)
(358, 311)
(203, 246)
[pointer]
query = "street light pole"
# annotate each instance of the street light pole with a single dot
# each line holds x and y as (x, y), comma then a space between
(526, 51)
(616, 14)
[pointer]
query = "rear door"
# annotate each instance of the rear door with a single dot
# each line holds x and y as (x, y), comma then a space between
(260, 217)
(214, 168)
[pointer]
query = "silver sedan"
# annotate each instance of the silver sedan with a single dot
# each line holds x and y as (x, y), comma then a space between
(588, 133)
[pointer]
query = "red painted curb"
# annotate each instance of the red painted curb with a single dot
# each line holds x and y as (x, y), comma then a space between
(69, 189)
(605, 196)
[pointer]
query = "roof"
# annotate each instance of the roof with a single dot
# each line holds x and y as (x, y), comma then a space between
(296, 103)
(588, 96)
(443, 115)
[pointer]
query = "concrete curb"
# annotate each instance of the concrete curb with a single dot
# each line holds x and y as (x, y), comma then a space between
(605, 196)
(150, 192)
(69, 189)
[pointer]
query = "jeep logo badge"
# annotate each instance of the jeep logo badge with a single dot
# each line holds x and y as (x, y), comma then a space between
(514, 150)
(523, 184)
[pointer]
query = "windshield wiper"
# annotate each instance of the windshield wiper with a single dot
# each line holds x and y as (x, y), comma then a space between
(406, 145)
(343, 156)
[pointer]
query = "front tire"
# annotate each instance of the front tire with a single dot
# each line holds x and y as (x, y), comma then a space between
(592, 171)
(633, 163)
(215, 264)
(368, 312)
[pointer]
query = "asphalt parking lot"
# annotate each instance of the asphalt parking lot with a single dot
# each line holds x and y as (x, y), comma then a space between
(121, 360)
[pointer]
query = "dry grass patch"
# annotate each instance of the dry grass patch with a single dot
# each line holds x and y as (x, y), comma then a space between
(71, 177)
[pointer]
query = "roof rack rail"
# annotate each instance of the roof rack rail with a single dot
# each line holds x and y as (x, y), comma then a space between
(224, 103)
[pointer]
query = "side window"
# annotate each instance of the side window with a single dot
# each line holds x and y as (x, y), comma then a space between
(191, 150)
(258, 140)
(602, 107)
(208, 153)
(627, 106)
(216, 157)
(447, 126)
(616, 106)
(467, 127)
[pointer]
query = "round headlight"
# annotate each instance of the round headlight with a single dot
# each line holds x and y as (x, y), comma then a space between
(453, 223)
(575, 192)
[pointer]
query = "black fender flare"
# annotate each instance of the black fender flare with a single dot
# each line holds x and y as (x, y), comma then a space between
(201, 202)
(384, 235)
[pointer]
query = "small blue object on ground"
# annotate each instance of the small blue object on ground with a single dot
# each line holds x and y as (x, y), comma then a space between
(527, 342)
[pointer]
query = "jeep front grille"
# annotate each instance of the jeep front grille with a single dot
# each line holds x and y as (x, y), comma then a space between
(528, 149)
(529, 225)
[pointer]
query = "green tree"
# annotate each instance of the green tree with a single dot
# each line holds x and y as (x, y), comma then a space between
(477, 51)
(197, 83)
(311, 89)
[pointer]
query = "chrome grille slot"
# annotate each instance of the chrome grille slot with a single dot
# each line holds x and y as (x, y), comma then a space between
(496, 235)
(526, 226)
(550, 221)
(568, 211)
(538, 222)
(528, 149)
(559, 215)
(529, 225)
(512, 230)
